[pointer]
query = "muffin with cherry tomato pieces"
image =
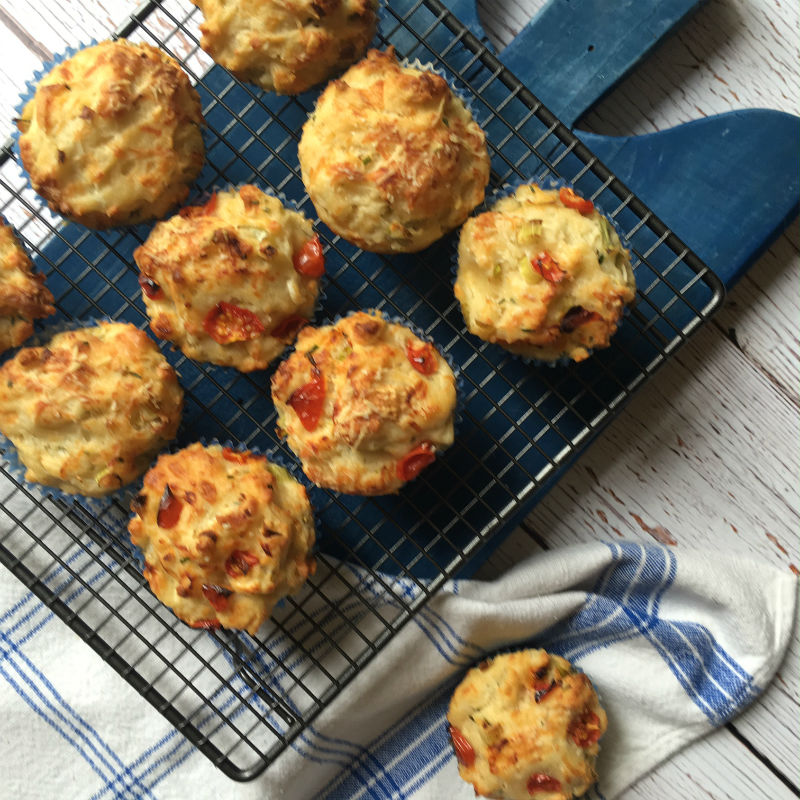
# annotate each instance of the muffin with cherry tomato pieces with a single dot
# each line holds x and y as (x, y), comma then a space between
(231, 281)
(525, 725)
(225, 534)
(23, 295)
(364, 403)
(543, 274)
(89, 411)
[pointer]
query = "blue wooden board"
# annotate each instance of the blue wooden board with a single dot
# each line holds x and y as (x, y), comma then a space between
(728, 185)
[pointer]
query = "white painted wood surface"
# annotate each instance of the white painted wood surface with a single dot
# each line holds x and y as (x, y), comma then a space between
(707, 452)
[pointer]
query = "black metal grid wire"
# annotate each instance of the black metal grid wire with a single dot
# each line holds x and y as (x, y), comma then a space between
(242, 699)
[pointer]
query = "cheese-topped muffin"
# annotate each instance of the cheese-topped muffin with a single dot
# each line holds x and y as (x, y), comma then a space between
(112, 135)
(232, 281)
(225, 535)
(543, 274)
(364, 404)
(526, 725)
(391, 158)
(23, 295)
(286, 47)
(89, 411)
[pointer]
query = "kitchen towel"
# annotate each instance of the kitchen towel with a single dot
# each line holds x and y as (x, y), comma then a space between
(677, 642)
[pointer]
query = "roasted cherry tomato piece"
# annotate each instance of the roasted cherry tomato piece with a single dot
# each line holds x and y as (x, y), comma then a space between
(308, 260)
(422, 357)
(206, 624)
(239, 563)
(540, 782)
(227, 323)
(541, 689)
(169, 509)
(309, 400)
(576, 316)
(572, 200)
(217, 596)
(464, 751)
(235, 456)
(585, 729)
(150, 287)
(289, 327)
(414, 462)
(548, 267)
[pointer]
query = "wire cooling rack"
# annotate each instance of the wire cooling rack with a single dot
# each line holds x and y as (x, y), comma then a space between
(243, 699)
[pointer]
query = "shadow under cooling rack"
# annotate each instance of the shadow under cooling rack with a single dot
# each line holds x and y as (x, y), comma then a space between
(242, 699)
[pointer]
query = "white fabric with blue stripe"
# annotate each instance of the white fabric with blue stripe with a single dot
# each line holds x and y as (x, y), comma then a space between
(677, 643)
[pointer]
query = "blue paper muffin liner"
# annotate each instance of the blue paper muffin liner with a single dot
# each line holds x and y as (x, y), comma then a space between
(549, 183)
(100, 507)
(460, 388)
(25, 96)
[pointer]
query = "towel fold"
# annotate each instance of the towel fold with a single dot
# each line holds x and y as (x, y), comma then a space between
(676, 643)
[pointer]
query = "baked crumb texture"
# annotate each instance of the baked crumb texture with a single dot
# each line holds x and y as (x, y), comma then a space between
(286, 47)
(23, 295)
(364, 404)
(89, 411)
(391, 158)
(231, 281)
(525, 725)
(543, 274)
(112, 135)
(225, 534)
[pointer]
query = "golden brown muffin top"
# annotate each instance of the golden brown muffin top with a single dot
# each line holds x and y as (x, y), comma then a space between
(526, 725)
(364, 403)
(286, 47)
(89, 411)
(23, 295)
(112, 135)
(225, 535)
(543, 274)
(231, 281)
(391, 158)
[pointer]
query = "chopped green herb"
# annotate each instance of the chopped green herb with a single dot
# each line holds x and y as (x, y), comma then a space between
(606, 233)
(446, 122)
(497, 271)
(528, 272)
(365, 160)
(529, 231)
(527, 330)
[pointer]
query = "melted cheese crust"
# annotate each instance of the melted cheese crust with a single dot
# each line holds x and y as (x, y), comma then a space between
(112, 135)
(286, 47)
(237, 249)
(88, 412)
(23, 295)
(237, 540)
(391, 158)
(504, 300)
(514, 736)
(377, 407)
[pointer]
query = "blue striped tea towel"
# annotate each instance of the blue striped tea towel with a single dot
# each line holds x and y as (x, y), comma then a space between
(676, 642)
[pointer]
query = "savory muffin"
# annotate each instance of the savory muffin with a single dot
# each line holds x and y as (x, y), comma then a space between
(543, 274)
(89, 411)
(232, 281)
(526, 724)
(112, 135)
(364, 404)
(391, 158)
(225, 535)
(23, 295)
(286, 47)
